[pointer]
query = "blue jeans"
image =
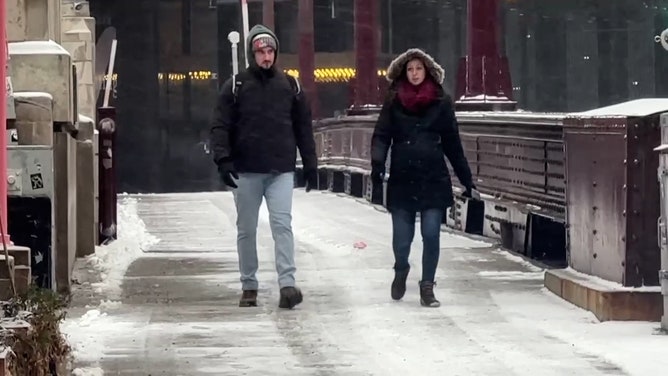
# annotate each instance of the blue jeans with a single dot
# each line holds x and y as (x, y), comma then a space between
(403, 230)
(277, 190)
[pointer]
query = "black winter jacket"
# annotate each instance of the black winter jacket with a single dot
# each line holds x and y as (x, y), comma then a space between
(261, 130)
(419, 177)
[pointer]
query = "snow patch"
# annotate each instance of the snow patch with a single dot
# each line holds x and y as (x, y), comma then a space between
(96, 371)
(598, 283)
(36, 47)
(638, 107)
(108, 305)
(491, 98)
(112, 260)
(87, 334)
(357, 170)
(85, 119)
(635, 347)
(452, 240)
(512, 275)
(32, 95)
(517, 259)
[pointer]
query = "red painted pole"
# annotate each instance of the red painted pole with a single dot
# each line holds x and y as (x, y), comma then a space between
(307, 54)
(483, 28)
(366, 53)
(268, 13)
(3, 117)
(484, 75)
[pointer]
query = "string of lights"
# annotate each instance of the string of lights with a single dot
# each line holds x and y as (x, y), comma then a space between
(322, 75)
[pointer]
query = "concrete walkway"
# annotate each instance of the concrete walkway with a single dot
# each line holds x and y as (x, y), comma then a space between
(178, 311)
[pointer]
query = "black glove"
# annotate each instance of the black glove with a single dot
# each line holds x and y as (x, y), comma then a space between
(377, 175)
(311, 178)
(471, 192)
(227, 172)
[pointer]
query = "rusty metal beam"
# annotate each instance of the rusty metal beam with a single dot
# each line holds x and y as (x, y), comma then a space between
(268, 13)
(483, 81)
(366, 53)
(307, 54)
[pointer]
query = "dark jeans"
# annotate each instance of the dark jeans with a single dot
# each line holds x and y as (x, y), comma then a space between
(403, 230)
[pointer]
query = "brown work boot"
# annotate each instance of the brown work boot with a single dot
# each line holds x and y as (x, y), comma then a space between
(248, 298)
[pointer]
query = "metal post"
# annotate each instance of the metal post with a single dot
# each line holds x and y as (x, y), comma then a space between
(483, 81)
(3, 117)
(107, 173)
(268, 13)
(366, 53)
(244, 20)
(233, 37)
(106, 127)
(307, 54)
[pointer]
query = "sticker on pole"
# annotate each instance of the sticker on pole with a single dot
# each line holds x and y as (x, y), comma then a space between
(36, 181)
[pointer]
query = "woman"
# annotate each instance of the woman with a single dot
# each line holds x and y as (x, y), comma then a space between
(418, 121)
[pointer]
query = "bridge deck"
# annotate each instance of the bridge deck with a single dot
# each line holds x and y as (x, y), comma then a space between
(176, 312)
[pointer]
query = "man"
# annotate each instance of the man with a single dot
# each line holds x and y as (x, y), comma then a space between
(260, 120)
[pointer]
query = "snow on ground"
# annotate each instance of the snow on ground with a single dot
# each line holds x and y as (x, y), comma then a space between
(635, 346)
(496, 317)
(600, 283)
(111, 260)
(97, 371)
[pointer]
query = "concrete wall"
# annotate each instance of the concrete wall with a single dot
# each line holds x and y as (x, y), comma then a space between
(78, 38)
(75, 162)
(33, 20)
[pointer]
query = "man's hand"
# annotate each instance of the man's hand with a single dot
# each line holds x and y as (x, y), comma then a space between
(227, 172)
(311, 178)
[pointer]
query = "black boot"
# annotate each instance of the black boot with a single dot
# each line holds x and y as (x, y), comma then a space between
(248, 298)
(427, 298)
(399, 283)
(290, 297)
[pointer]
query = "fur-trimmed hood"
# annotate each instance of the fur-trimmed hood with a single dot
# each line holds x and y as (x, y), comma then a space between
(397, 65)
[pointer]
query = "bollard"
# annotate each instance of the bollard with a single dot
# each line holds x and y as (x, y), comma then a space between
(107, 173)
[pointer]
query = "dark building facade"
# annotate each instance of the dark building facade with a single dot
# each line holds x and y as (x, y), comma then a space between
(564, 55)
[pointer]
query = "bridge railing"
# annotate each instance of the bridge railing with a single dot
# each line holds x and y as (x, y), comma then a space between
(543, 195)
(516, 158)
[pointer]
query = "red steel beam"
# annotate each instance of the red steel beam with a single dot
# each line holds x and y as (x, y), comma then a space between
(307, 54)
(366, 53)
(268, 13)
(484, 75)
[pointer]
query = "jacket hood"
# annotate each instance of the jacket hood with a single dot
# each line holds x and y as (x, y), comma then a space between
(255, 31)
(398, 65)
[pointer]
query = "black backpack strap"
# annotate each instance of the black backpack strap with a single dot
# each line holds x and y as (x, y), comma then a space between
(294, 83)
(237, 82)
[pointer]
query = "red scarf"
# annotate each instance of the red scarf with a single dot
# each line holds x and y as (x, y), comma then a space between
(416, 98)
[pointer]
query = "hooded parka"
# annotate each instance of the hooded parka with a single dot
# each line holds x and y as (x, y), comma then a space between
(419, 141)
(259, 125)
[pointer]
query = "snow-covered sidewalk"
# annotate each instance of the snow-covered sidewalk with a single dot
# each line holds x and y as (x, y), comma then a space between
(101, 275)
(172, 310)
